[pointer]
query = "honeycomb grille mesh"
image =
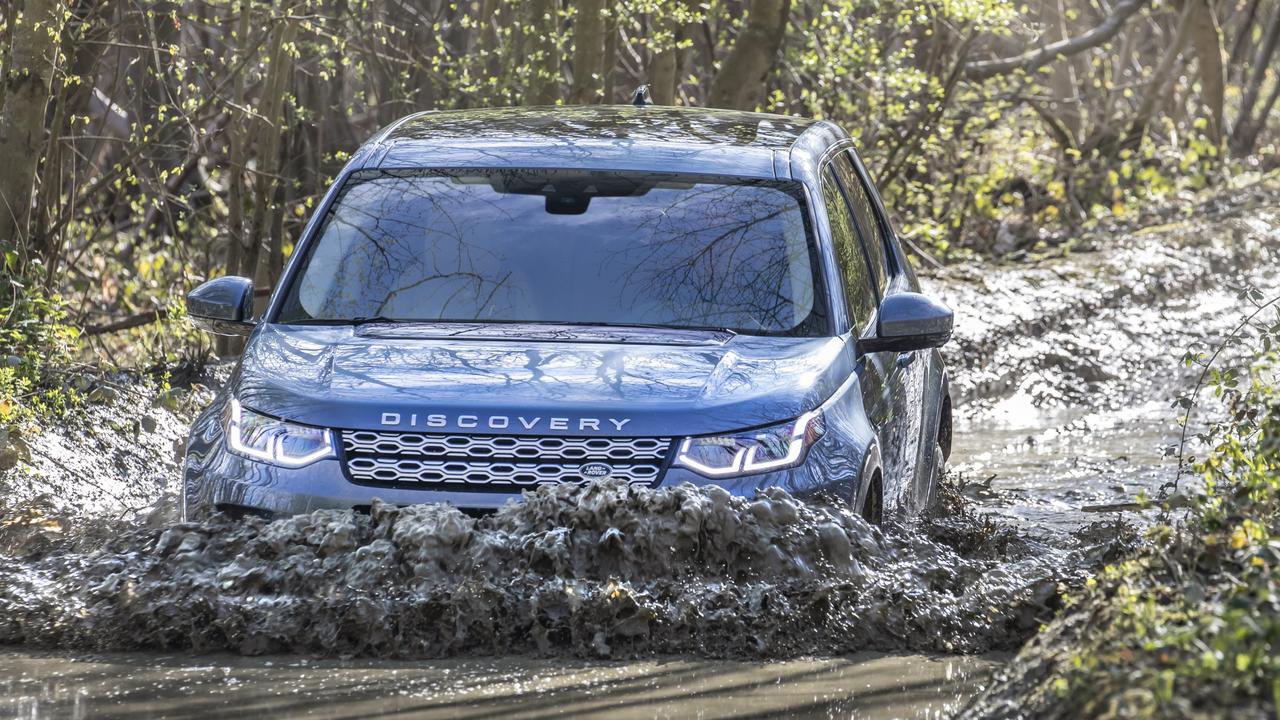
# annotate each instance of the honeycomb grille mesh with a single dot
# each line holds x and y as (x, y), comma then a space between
(496, 462)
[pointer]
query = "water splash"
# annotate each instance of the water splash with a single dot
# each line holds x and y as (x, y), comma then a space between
(601, 570)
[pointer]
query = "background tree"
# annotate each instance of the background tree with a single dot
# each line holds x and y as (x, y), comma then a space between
(741, 80)
(34, 53)
(150, 146)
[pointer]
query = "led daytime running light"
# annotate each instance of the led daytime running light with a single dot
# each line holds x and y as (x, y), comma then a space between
(804, 432)
(274, 451)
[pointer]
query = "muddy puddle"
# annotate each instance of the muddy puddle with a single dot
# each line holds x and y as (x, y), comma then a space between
(600, 600)
(1081, 431)
(671, 603)
(866, 685)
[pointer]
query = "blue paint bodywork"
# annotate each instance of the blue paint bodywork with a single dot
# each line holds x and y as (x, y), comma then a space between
(882, 410)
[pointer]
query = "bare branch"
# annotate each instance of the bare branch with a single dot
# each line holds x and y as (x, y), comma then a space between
(133, 321)
(1108, 29)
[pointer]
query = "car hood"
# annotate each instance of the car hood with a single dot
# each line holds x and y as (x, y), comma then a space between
(536, 382)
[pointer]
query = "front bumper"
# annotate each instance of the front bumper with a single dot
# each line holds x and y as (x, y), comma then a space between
(215, 478)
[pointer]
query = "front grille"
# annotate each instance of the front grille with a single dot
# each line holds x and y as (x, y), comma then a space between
(498, 463)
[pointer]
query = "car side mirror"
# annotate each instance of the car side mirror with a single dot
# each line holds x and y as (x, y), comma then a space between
(909, 321)
(223, 306)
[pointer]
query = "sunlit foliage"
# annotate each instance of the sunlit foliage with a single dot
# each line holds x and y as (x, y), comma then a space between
(175, 141)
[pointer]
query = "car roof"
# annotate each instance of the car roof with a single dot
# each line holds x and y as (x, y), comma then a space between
(613, 137)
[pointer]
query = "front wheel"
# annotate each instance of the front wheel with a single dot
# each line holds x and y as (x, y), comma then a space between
(872, 509)
(939, 467)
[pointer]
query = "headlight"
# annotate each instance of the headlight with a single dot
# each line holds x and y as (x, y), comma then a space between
(756, 451)
(275, 441)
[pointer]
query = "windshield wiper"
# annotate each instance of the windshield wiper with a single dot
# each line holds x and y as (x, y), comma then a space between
(645, 326)
(479, 324)
(475, 325)
(356, 321)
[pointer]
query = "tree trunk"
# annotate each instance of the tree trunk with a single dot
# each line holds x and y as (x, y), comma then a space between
(1243, 37)
(673, 28)
(492, 17)
(544, 56)
(237, 150)
(610, 63)
(1156, 88)
(1247, 127)
(1248, 138)
(156, 82)
(662, 77)
(664, 70)
(741, 81)
(461, 33)
(85, 33)
(1206, 39)
(50, 188)
(34, 45)
(238, 138)
(1062, 80)
(270, 122)
(589, 28)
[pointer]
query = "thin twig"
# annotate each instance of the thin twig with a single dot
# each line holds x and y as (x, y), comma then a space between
(1204, 374)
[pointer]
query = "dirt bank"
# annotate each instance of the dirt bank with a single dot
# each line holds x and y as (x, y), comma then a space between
(1034, 325)
(117, 457)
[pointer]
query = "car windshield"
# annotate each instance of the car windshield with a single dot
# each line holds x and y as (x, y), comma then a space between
(564, 247)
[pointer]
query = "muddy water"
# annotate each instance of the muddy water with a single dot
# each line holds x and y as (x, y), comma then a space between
(578, 589)
(1081, 431)
(752, 608)
(1085, 430)
(604, 571)
(36, 685)
(1039, 468)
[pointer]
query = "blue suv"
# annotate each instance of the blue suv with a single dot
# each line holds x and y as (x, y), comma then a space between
(488, 301)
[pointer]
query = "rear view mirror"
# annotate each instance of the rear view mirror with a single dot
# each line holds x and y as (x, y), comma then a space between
(223, 306)
(909, 321)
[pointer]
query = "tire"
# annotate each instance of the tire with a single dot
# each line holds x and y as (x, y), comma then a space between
(939, 467)
(872, 509)
(945, 428)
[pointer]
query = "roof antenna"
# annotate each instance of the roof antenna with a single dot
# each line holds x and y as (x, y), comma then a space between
(642, 98)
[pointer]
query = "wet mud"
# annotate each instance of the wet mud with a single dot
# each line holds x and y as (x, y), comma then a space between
(601, 571)
(117, 457)
(1108, 324)
(1069, 368)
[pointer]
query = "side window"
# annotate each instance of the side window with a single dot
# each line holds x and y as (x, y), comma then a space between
(858, 294)
(864, 212)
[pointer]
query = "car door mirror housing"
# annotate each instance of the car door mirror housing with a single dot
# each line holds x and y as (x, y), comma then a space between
(223, 306)
(909, 321)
